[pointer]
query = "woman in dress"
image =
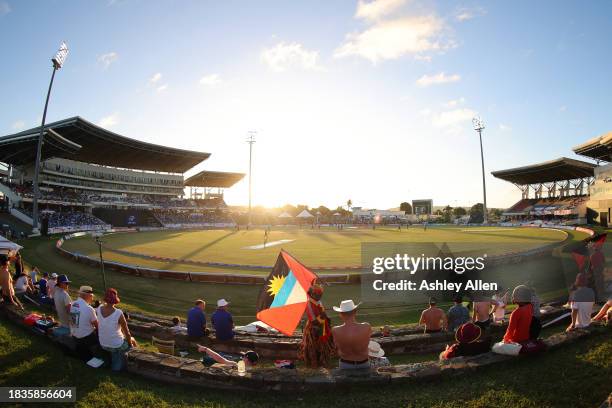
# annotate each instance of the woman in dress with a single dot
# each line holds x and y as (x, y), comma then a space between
(317, 345)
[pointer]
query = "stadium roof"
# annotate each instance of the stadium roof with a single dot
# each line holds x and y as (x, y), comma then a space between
(599, 148)
(554, 170)
(214, 179)
(97, 146)
(20, 148)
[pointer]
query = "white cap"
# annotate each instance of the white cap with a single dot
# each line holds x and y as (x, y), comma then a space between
(222, 302)
(346, 306)
(54, 275)
(374, 350)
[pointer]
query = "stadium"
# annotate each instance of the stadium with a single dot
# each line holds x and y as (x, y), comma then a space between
(108, 199)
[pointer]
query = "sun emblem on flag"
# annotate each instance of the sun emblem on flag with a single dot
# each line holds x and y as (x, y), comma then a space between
(275, 285)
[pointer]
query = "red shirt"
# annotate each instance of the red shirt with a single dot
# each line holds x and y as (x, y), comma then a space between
(520, 322)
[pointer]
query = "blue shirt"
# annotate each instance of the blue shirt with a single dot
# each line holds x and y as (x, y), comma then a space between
(223, 324)
(457, 315)
(42, 286)
(196, 322)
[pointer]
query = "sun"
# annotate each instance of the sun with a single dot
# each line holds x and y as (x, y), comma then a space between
(276, 283)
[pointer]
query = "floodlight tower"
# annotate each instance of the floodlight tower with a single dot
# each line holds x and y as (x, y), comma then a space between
(479, 126)
(250, 140)
(58, 61)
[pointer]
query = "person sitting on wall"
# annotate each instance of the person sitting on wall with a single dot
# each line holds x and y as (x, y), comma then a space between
(351, 338)
(433, 318)
(469, 342)
(520, 319)
(223, 322)
(113, 331)
(6, 281)
(178, 326)
(604, 312)
(457, 314)
(377, 355)
(23, 286)
(481, 315)
(250, 358)
(518, 338)
(84, 324)
(62, 303)
(581, 303)
(196, 320)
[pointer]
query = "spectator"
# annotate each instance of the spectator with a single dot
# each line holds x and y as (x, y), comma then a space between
(43, 286)
(481, 313)
(18, 266)
(178, 327)
(377, 355)
(500, 299)
(196, 320)
(113, 332)
(433, 318)
(6, 281)
(351, 338)
(223, 322)
(469, 342)
(23, 286)
(34, 275)
(83, 323)
(62, 303)
(250, 358)
(457, 314)
(51, 285)
(581, 303)
(604, 312)
(520, 320)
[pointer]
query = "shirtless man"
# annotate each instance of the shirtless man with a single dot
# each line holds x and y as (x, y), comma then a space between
(482, 313)
(351, 338)
(433, 318)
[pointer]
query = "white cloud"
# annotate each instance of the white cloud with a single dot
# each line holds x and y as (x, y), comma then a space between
(284, 56)
(162, 88)
(155, 78)
(505, 128)
(395, 38)
(4, 8)
(452, 120)
(464, 13)
(107, 59)
(210, 80)
(375, 9)
(454, 103)
(109, 121)
(437, 79)
(18, 125)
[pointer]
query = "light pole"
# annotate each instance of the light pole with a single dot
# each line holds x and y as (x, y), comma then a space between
(478, 127)
(250, 140)
(58, 61)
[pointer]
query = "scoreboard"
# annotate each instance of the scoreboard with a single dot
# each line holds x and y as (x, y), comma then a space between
(422, 207)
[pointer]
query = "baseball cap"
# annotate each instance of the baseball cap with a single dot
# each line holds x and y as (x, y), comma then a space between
(63, 279)
(222, 302)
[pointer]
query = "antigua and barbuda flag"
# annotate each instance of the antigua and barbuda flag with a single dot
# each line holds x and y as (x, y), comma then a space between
(284, 296)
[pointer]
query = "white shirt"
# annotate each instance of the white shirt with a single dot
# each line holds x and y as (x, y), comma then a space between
(585, 309)
(81, 317)
(51, 286)
(109, 331)
(61, 300)
(21, 284)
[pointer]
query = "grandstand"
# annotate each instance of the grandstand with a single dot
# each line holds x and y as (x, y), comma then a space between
(92, 178)
(554, 191)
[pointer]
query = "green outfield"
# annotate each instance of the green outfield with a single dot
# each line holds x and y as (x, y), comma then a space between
(315, 248)
(171, 297)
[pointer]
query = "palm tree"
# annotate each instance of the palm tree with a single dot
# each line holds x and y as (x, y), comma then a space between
(349, 204)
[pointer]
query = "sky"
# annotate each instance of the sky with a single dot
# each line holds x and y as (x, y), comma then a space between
(370, 101)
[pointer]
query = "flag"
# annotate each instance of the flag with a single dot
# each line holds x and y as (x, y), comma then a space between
(599, 241)
(284, 296)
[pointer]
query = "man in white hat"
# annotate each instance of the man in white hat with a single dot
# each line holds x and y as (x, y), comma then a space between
(351, 338)
(83, 323)
(222, 321)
